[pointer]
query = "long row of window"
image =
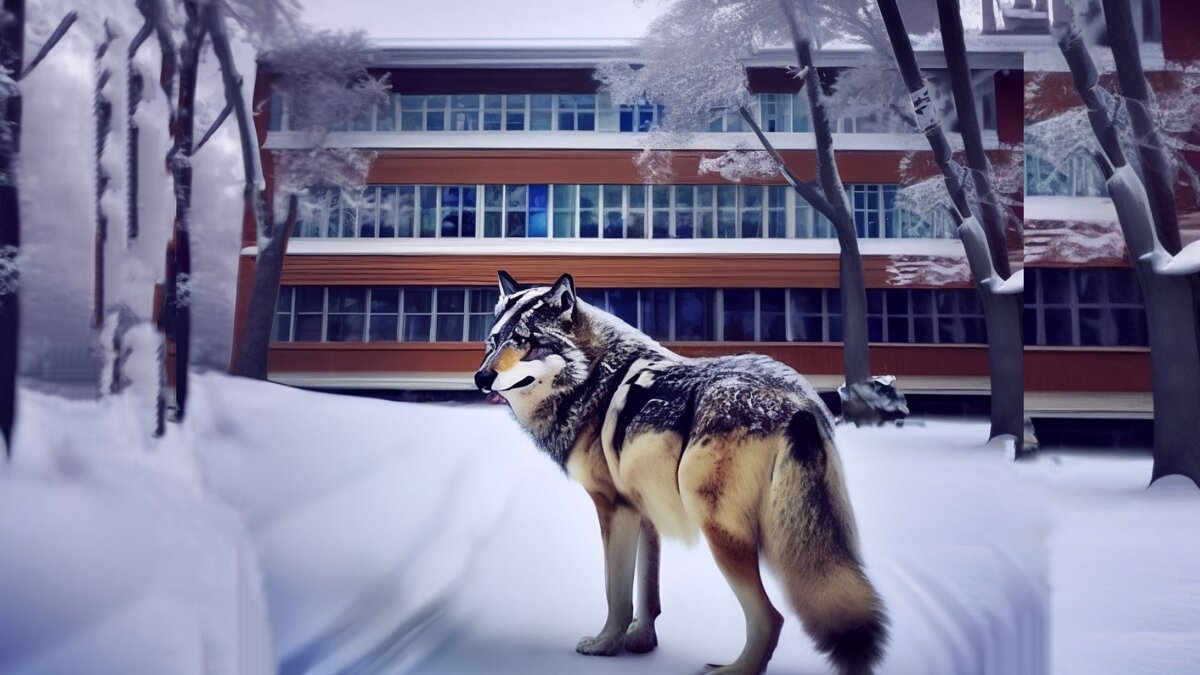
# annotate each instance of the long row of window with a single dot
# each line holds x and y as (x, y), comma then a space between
(456, 314)
(1094, 307)
(601, 212)
(775, 113)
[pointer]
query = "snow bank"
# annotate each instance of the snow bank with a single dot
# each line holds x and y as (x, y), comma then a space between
(368, 515)
(435, 539)
(114, 558)
(407, 538)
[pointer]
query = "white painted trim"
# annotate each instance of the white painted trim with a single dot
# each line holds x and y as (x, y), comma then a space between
(1071, 209)
(987, 51)
(597, 140)
(612, 247)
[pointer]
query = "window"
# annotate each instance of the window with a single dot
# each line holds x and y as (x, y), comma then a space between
(772, 315)
(451, 314)
(368, 213)
(752, 211)
(564, 210)
(1077, 177)
(577, 112)
(641, 117)
(282, 332)
(384, 314)
(458, 211)
(457, 314)
(309, 313)
(775, 112)
(481, 302)
(464, 112)
(589, 211)
(493, 210)
(1093, 307)
(346, 314)
(777, 225)
(275, 120)
(737, 315)
(600, 211)
(541, 112)
(807, 320)
(526, 211)
(418, 314)
(514, 112)
(873, 207)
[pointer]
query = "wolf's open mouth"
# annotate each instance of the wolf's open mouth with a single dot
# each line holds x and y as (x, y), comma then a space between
(524, 382)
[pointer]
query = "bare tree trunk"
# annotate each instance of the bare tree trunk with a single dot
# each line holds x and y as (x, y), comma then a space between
(1003, 313)
(181, 166)
(991, 216)
(1156, 166)
(102, 109)
(260, 316)
(1170, 302)
(12, 59)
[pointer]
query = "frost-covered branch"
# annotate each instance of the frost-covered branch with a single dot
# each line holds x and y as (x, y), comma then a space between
(156, 16)
(215, 126)
(59, 31)
(807, 190)
(214, 24)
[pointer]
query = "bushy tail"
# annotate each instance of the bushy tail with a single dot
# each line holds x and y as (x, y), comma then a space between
(811, 543)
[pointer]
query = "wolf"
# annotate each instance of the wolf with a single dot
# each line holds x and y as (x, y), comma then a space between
(736, 448)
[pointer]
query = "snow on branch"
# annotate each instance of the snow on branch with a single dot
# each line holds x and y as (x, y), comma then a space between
(323, 77)
(740, 163)
(1074, 242)
(932, 271)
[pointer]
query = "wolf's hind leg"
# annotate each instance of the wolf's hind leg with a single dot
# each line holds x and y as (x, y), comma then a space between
(641, 637)
(619, 526)
(738, 561)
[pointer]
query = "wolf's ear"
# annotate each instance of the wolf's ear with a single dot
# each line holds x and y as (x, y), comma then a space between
(508, 285)
(562, 294)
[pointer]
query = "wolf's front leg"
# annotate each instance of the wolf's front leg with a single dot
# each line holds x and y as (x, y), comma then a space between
(641, 637)
(619, 526)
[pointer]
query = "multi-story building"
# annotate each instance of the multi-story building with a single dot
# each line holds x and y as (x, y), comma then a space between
(1082, 302)
(509, 155)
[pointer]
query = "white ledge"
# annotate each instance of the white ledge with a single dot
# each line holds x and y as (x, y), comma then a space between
(597, 140)
(1071, 209)
(613, 247)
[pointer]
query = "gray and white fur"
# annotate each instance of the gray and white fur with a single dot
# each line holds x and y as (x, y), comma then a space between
(737, 448)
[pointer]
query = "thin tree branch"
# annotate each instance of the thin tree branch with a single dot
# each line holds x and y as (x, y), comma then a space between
(142, 35)
(212, 129)
(806, 189)
(215, 25)
(59, 32)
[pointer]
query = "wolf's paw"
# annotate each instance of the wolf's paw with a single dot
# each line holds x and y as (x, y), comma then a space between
(603, 644)
(641, 637)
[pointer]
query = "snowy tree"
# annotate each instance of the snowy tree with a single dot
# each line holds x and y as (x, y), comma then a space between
(13, 68)
(323, 78)
(981, 220)
(693, 63)
(1145, 205)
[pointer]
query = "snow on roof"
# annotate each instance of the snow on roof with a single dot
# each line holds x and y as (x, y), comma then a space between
(988, 51)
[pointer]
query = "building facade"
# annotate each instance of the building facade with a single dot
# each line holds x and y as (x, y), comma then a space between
(510, 155)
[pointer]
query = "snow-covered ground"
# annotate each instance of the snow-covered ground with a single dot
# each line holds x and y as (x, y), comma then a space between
(395, 537)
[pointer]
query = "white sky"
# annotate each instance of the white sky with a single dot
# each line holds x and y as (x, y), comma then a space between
(485, 18)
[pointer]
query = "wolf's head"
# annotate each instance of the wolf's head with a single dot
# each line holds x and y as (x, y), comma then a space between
(533, 348)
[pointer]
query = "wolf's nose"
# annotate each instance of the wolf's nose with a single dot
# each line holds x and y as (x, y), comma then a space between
(484, 379)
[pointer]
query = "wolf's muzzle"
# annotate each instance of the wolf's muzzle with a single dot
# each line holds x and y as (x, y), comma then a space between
(484, 380)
